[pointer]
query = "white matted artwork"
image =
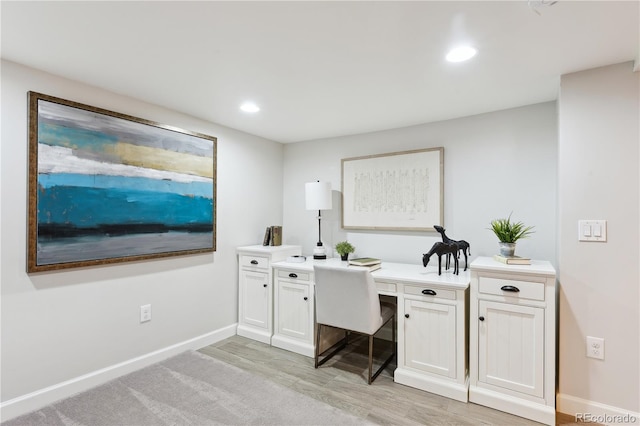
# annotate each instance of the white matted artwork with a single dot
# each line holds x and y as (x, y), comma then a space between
(395, 191)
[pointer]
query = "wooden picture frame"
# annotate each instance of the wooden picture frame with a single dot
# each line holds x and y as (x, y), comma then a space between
(106, 187)
(394, 191)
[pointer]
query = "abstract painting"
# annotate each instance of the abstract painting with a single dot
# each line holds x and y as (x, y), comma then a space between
(106, 187)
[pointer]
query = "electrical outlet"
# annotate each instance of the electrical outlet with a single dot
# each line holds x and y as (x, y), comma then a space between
(595, 347)
(145, 313)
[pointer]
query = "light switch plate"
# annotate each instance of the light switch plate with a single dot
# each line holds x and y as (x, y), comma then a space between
(592, 230)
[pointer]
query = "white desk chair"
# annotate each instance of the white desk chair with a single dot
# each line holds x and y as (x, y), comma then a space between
(347, 298)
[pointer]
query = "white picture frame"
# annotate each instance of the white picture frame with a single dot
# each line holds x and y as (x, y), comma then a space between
(395, 191)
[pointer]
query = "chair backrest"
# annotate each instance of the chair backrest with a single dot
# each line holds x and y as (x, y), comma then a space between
(347, 298)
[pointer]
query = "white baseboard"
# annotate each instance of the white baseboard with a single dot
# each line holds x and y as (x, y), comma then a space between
(249, 332)
(536, 411)
(595, 412)
(293, 345)
(441, 386)
(35, 400)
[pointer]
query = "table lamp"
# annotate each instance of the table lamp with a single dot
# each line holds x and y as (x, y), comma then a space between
(318, 197)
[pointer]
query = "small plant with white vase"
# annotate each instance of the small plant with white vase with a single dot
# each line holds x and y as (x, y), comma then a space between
(508, 233)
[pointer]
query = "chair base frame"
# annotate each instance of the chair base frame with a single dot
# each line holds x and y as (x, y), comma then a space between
(342, 343)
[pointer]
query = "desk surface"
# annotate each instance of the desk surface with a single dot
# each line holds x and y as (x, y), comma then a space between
(537, 267)
(395, 272)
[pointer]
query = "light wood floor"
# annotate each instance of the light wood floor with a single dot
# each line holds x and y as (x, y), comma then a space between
(341, 382)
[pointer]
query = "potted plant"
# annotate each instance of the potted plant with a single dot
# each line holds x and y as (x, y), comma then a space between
(508, 233)
(344, 248)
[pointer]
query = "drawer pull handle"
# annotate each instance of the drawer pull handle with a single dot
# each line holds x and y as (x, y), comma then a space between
(306, 298)
(510, 288)
(292, 275)
(254, 262)
(481, 318)
(429, 292)
(406, 315)
(264, 285)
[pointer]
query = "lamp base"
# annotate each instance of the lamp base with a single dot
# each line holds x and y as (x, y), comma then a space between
(319, 252)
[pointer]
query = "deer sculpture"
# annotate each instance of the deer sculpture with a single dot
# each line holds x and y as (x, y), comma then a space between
(441, 249)
(462, 244)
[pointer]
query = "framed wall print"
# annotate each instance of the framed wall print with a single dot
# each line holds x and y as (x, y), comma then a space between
(395, 191)
(106, 187)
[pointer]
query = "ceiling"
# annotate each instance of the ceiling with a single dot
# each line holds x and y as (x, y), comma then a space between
(321, 69)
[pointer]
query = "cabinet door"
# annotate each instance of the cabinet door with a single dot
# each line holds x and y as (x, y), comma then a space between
(430, 337)
(510, 346)
(254, 303)
(294, 310)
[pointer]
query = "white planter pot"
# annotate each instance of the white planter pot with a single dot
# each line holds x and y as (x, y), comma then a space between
(507, 249)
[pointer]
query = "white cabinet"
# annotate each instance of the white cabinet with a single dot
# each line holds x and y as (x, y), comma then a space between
(511, 347)
(432, 343)
(294, 311)
(512, 338)
(429, 330)
(255, 296)
(254, 302)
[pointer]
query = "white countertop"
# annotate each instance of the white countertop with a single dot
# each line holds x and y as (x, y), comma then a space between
(537, 267)
(267, 249)
(390, 271)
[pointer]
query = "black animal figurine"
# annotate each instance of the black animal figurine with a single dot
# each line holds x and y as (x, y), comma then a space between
(462, 244)
(441, 249)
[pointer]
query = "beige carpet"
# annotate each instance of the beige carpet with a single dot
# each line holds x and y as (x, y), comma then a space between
(189, 389)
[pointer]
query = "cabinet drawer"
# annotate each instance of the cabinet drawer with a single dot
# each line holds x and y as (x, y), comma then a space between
(294, 275)
(386, 287)
(511, 288)
(247, 261)
(427, 291)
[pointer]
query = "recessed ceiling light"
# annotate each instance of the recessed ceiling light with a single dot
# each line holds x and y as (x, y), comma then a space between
(249, 107)
(461, 53)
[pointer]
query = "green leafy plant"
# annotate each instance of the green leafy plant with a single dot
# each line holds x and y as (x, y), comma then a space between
(510, 232)
(344, 247)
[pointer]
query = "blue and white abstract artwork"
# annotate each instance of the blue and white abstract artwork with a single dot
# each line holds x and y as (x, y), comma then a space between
(106, 188)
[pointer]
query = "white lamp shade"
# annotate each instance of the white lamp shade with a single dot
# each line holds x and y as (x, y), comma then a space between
(318, 195)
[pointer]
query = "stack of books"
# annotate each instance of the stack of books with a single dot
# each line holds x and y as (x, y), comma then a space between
(273, 236)
(368, 262)
(512, 260)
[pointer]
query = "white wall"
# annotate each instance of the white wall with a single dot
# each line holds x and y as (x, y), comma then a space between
(599, 282)
(61, 325)
(494, 164)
